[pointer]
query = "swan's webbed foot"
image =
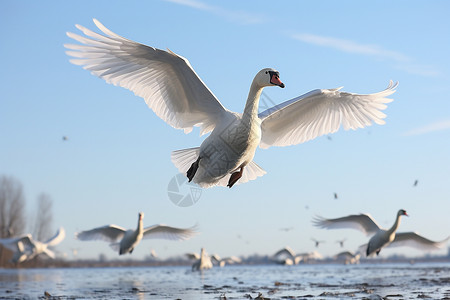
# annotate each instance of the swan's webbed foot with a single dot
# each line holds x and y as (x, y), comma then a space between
(192, 170)
(235, 177)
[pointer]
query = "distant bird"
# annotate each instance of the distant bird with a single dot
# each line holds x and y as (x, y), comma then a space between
(170, 87)
(316, 242)
(26, 248)
(416, 182)
(286, 229)
(226, 260)
(65, 138)
(287, 256)
(348, 257)
(381, 237)
(335, 196)
(203, 262)
(341, 242)
(125, 241)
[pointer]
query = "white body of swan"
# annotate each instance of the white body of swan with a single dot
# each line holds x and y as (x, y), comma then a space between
(125, 241)
(172, 89)
(26, 248)
(203, 262)
(381, 237)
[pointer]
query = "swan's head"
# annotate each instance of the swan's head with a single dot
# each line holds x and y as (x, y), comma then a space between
(141, 215)
(402, 212)
(268, 77)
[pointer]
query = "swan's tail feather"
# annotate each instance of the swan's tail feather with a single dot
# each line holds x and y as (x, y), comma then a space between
(183, 159)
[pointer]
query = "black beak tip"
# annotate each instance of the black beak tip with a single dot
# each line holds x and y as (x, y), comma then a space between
(282, 85)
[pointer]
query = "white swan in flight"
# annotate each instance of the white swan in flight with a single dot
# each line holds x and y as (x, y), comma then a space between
(381, 237)
(172, 89)
(26, 248)
(125, 241)
(221, 262)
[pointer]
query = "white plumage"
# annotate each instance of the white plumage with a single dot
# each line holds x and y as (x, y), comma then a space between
(172, 89)
(381, 237)
(124, 241)
(26, 248)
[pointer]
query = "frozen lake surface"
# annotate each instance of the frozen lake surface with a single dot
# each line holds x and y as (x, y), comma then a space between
(324, 281)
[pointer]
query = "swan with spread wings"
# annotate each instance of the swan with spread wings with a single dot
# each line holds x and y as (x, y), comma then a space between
(173, 90)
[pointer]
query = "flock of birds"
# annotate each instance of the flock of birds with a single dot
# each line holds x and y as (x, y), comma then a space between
(172, 89)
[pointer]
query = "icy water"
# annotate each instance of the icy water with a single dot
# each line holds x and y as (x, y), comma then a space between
(377, 281)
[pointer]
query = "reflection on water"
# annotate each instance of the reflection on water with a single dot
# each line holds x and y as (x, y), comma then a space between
(236, 282)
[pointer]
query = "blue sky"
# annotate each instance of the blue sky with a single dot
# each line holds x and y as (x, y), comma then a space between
(116, 161)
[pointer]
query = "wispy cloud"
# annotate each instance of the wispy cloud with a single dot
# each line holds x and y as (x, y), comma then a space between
(240, 17)
(433, 127)
(400, 60)
(350, 46)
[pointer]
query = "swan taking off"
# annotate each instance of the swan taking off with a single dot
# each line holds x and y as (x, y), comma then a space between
(381, 237)
(125, 241)
(26, 248)
(172, 89)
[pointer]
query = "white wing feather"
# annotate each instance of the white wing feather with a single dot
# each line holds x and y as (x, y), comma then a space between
(168, 233)
(321, 112)
(415, 240)
(362, 222)
(57, 238)
(166, 81)
(109, 233)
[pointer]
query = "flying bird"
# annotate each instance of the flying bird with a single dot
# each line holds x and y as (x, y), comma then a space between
(125, 241)
(26, 248)
(173, 90)
(341, 242)
(316, 242)
(381, 237)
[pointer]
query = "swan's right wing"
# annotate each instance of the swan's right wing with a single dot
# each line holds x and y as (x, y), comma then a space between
(193, 255)
(169, 233)
(109, 233)
(415, 240)
(166, 81)
(362, 222)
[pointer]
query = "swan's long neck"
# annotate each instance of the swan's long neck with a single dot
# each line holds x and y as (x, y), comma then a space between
(140, 225)
(395, 226)
(252, 104)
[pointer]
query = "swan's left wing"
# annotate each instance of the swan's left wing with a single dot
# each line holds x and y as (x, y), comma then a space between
(166, 81)
(321, 112)
(57, 238)
(18, 244)
(415, 240)
(168, 233)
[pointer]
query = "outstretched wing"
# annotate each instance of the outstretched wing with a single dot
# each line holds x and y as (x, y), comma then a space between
(166, 81)
(57, 238)
(168, 233)
(321, 112)
(18, 244)
(415, 240)
(362, 222)
(109, 233)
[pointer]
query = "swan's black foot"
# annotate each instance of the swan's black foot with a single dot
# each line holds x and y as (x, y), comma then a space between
(235, 177)
(192, 170)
